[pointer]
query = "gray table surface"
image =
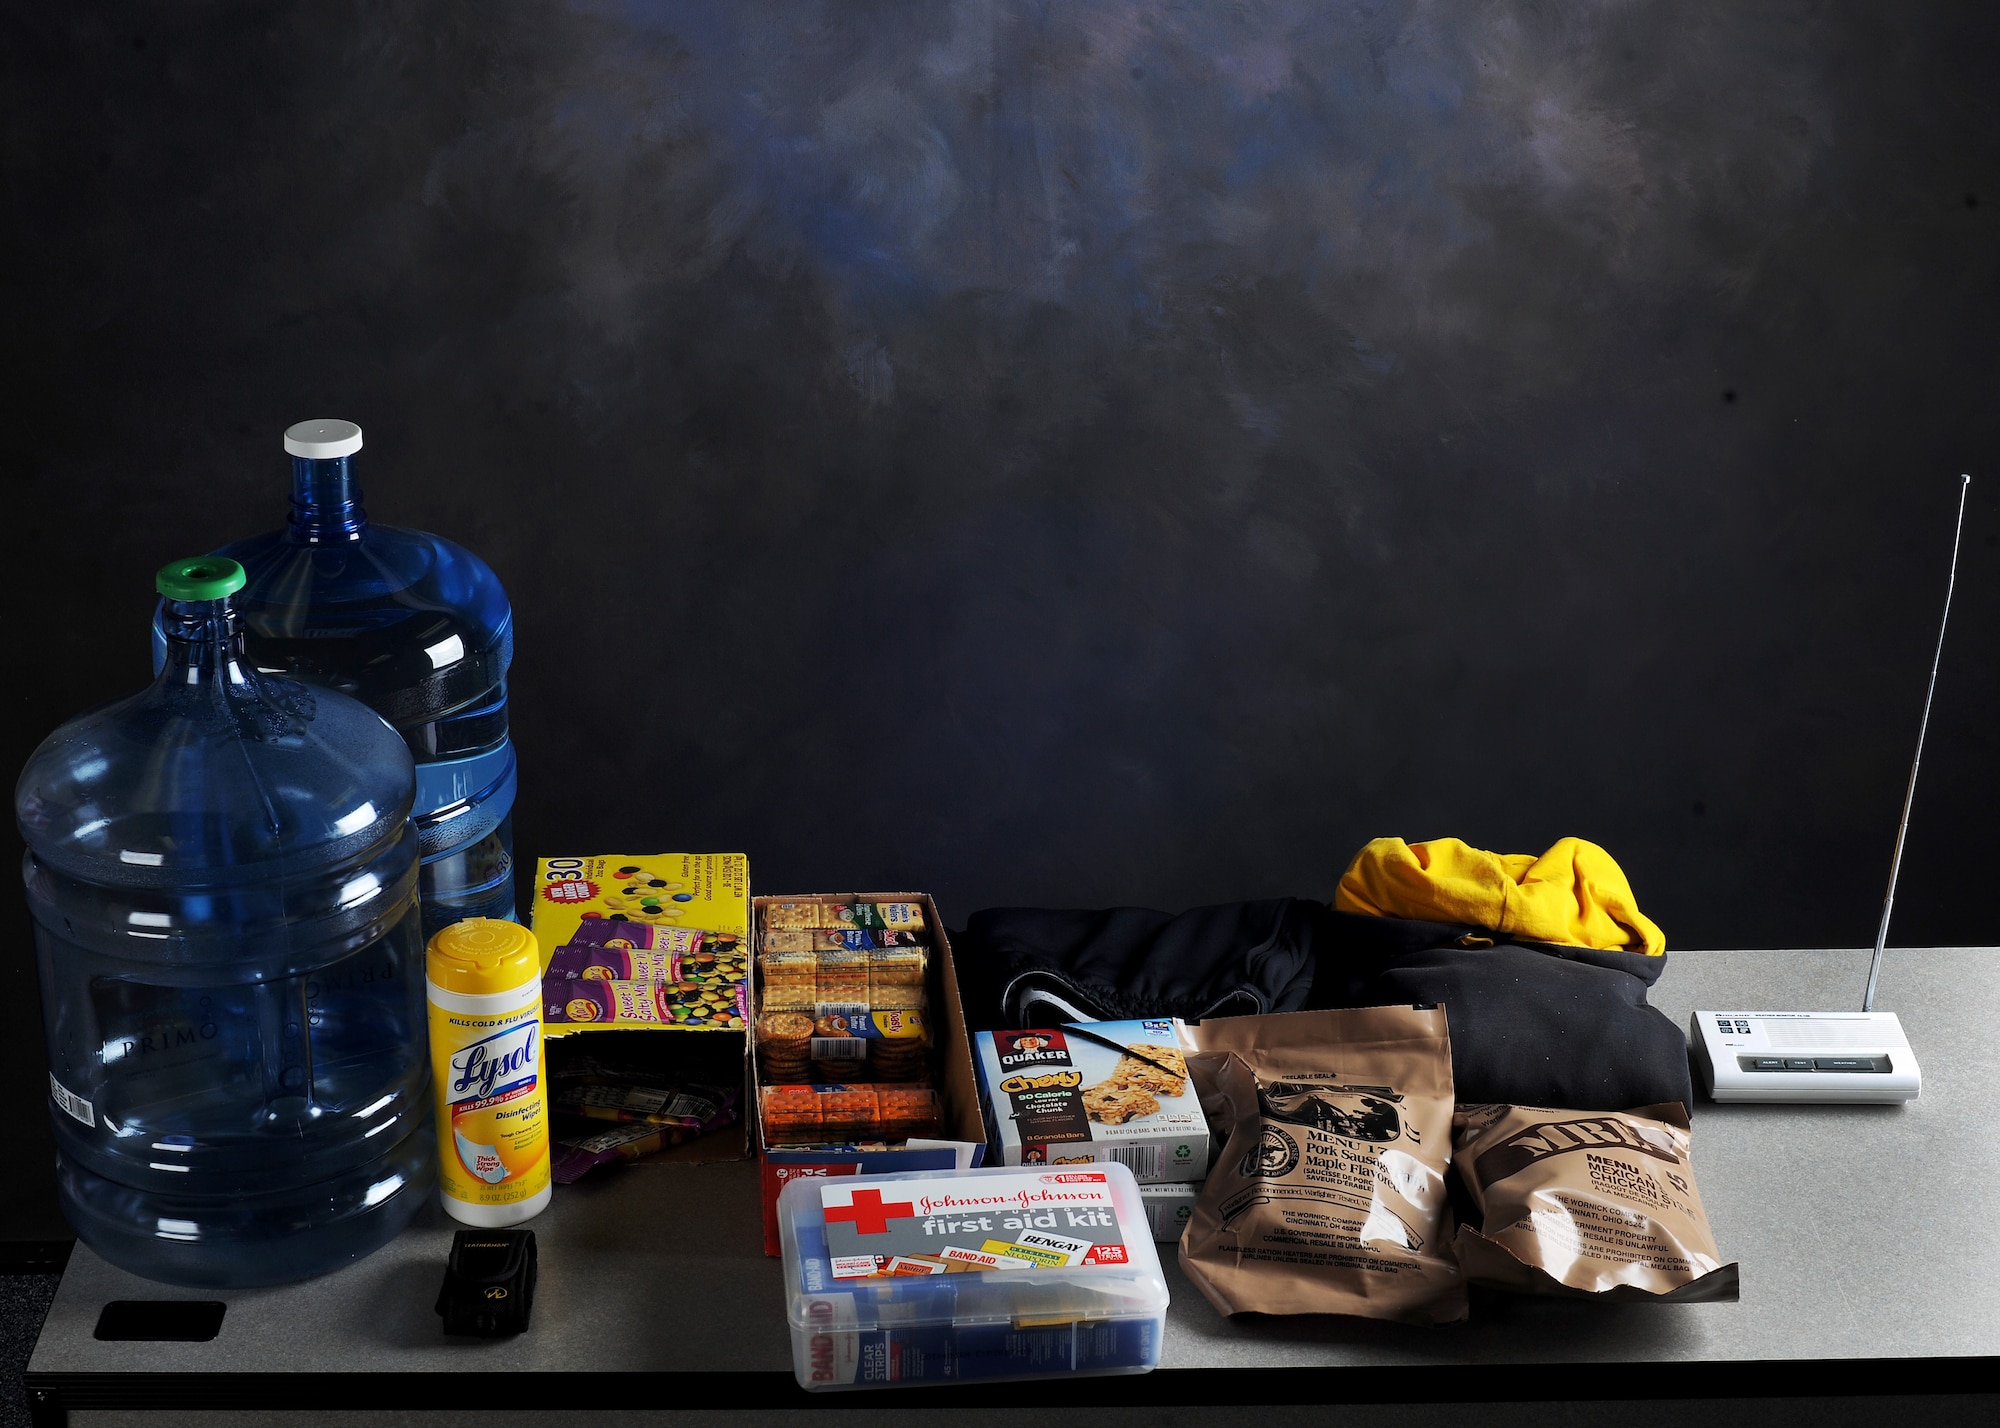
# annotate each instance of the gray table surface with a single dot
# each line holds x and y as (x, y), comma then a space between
(1863, 1232)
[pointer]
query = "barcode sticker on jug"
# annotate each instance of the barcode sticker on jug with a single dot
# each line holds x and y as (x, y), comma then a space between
(71, 1102)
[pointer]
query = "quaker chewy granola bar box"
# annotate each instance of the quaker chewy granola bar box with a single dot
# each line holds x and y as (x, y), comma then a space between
(1103, 1091)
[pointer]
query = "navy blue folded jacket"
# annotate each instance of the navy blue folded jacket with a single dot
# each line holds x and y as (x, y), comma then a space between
(1029, 966)
(1531, 1024)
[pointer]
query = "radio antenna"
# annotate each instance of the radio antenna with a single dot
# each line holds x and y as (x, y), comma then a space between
(1909, 796)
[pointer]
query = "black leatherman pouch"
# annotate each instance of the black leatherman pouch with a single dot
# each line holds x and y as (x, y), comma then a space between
(489, 1283)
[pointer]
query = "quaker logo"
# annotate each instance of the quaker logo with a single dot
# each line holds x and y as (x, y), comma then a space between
(1040, 1086)
(1365, 1113)
(1524, 1148)
(1275, 1155)
(1018, 1049)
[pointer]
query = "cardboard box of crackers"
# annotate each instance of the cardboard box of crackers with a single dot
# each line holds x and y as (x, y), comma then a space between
(645, 972)
(860, 1060)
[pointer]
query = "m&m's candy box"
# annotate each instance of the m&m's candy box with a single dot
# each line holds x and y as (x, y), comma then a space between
(709, 892)
(654, 941)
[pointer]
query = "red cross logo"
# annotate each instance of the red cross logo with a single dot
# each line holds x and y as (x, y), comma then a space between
(868, 1214)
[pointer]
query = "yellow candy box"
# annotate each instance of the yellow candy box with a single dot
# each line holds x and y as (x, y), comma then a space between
(656, 902)
(706, 891)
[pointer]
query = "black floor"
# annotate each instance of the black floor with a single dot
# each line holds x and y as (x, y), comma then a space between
(24, 1300)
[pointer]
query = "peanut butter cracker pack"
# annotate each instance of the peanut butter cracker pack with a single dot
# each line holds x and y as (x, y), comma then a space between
(1329, 1196)
(1597, 1204)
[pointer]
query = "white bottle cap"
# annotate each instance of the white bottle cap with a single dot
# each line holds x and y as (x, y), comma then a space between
(323, 439)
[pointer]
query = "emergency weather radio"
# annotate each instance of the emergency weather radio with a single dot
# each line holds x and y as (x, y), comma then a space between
(1827, 1056)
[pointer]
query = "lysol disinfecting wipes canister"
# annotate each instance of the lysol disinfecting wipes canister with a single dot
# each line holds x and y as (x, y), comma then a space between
(483, 977)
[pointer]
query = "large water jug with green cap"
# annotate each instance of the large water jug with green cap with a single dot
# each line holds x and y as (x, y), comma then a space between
(223, 876)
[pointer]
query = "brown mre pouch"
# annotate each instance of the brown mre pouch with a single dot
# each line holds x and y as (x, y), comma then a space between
(1598, 1205)
(1329, 1197)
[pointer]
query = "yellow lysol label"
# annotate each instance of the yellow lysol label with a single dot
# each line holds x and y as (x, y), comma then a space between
(493, 1136)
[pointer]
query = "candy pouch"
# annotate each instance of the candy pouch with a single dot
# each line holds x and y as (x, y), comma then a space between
(687, 1107)
(614, 964)
(575, 1154)
(1598, 1205)
(586, 1001)
(643, 936)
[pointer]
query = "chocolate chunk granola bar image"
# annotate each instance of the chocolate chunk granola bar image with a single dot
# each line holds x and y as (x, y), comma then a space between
(1149, 1075)
(1114, 1105)
(1167, 1058)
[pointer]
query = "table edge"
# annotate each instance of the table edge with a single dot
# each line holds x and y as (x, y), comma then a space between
(1496, 1382)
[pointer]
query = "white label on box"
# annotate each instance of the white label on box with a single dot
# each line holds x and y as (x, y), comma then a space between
(1142, 1160)
(1072, 1251)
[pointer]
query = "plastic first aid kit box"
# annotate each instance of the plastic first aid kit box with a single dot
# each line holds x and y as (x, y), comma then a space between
(1101, 1092)
(931, 1277)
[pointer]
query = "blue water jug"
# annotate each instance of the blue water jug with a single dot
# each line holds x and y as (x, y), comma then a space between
(419, 630)
(223, 873)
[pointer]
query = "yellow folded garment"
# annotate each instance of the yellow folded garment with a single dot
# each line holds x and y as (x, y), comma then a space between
(1574, 895)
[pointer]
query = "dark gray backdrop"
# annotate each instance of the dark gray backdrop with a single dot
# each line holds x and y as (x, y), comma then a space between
(1076, 453)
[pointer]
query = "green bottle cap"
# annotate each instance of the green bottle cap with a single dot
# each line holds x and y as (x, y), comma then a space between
(202, 577)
